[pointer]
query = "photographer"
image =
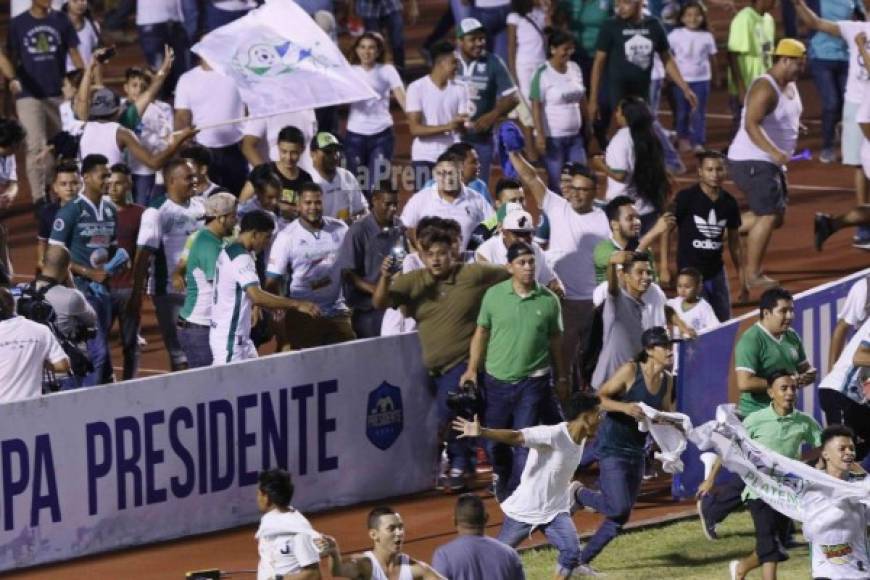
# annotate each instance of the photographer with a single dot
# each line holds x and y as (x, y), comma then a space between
(75, 318)
(444, 299)
(26, 347)
(519, 337)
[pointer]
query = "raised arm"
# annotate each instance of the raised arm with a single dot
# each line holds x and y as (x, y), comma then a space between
(468, 428)
(148, 95)
(529, 177)
(155, 161)
(812, 20)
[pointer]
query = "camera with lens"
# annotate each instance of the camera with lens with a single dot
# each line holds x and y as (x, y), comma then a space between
(465, 401)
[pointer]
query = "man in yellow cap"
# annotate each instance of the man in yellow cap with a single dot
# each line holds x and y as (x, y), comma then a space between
(763, 146)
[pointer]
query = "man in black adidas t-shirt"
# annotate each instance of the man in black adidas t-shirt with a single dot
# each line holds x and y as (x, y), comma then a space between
(704, 212)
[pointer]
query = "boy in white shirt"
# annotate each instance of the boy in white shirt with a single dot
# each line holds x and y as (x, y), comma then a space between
(688, 305)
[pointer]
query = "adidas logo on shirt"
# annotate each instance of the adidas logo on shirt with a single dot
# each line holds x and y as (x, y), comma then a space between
(710, 228)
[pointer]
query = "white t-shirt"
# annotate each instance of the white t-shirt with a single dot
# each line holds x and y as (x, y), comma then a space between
(854, 310)
(89, 39)
(838, 541)
(8, 169)
(692, 51)
(235, 272)
(168, 227)
(700, 316)
(211, 98)
(68, 120)
(285, 542)
(494, 251)
(844, 376)
(620, 156)
(342, 196)
(373, 115)
(313, 261)
(531, 45)
(154, 132)
(560, 94)
(468, 209)
(573, 238)
(19, 6)
(654, 302)
(267, 130)
(24, 347)
(856, 81)
(543, 490)
(438, 107)
(157, 11)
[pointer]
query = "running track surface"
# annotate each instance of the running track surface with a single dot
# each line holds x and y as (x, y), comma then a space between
(791, 259)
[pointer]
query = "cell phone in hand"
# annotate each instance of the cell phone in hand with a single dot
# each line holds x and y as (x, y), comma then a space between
(107, 55)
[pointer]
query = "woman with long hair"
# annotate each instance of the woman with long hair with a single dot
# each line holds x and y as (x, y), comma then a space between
(87, 29)
(370, 137)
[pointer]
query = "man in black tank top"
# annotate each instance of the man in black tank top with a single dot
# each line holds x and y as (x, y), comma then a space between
(647, 380)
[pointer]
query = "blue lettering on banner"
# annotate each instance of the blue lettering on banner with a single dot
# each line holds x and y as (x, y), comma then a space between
(15, 461)
(384, 417)
(233, 439)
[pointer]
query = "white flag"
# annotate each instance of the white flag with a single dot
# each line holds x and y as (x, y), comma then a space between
(282, 61)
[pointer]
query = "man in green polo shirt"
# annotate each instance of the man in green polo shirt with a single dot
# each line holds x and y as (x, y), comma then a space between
(444, 298)
(200, 259)
(770, 344)
(519, 330)
(625, 235)
(783, 429)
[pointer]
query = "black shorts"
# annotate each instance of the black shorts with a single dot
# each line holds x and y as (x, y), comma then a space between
(763, 183)
(771, 531)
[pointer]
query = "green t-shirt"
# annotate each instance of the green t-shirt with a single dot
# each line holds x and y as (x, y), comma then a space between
(783, 434)
(201, 254)
(751, 37)
(585, 20)
(601, 256)
(630, 47)
(488, 80)
(759, 353)
(519, 330)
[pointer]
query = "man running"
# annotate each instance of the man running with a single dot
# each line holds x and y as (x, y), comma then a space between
(385, 561)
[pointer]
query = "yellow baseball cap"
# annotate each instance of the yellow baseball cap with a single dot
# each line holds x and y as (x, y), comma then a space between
(791, 48)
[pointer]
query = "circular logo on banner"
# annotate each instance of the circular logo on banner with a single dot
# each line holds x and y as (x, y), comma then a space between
(58, 225)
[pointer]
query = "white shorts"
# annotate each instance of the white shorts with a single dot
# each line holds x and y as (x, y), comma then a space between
(850, 142)
(224, 352)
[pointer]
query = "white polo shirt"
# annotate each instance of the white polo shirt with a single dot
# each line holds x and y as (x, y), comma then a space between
(24, 347)
(165, 227)
(494, 251)
(469, 209)
(573, 237)
(312, 257)
(342, 196)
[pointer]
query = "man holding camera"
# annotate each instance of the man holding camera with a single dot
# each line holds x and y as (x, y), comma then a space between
(444, 299)
(519, 329)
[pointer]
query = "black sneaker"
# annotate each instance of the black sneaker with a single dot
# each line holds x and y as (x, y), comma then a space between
(823, 229)
(707, 523)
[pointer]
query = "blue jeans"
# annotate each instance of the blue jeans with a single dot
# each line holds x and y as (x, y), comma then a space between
(143, 185)
(690, 124)
(484, 151)
(228, 168)
(371, 153)
(561, 532)
(152, 39)
(459, 451)
(98, 347)
(619, 482)
(128, 328)
(560, 150)
(194, 343)
(494, 20)
(672, 158)
(829, 77)
(512, 406)
(395, 30)
(716, 292)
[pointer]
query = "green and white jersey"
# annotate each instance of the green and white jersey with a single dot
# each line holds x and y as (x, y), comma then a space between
(86, 230)
(201, 253)
(164, 229)
(235, 271)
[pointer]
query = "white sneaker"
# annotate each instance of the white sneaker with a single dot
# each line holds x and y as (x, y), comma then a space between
(587, 570)
(732, 568)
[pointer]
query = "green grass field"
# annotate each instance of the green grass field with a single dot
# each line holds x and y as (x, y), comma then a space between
(677, 550)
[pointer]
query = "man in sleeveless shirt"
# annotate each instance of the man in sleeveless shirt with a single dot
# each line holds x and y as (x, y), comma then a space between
(385, 560)
(762, 148)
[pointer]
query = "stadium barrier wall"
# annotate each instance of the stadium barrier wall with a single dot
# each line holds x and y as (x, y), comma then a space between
(153, 459)
(707, 378)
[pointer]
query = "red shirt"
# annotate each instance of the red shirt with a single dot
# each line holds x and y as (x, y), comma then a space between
(127, 230)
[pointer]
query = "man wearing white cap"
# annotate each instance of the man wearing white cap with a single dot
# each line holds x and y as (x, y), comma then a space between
(200, 256)
(761, 150)
(518, 226)
(519, 338)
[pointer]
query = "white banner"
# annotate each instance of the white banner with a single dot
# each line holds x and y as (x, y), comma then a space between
(153, 459)
(282, 61)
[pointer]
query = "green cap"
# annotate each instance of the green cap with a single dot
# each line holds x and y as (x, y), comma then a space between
(324, 140)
